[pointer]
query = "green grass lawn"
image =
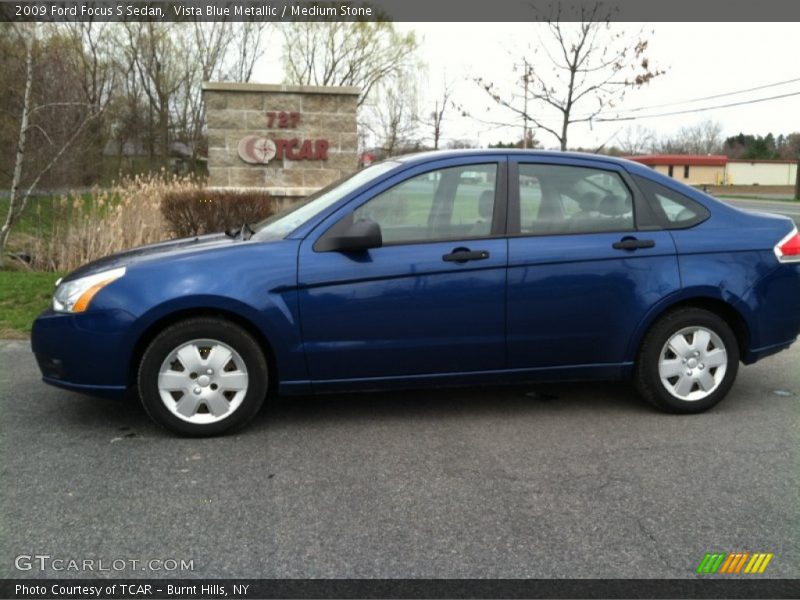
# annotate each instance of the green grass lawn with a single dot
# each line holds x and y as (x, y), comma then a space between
(23, 295)
(42, 210)
(37, 216)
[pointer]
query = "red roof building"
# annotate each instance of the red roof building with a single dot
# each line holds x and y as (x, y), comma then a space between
(688, 168)
(717, 169)
(710, 160)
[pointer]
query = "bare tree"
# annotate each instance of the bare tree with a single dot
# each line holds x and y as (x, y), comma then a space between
(703, 138)
(159, 105)
(148, 75)
(436, 117)
(212, 41)
(392, 116)
(636, 140)
(357, 54)
(93, 71)
(246, 49)
(19, 194)
(591, 68)
(789, 148)
(162, 60)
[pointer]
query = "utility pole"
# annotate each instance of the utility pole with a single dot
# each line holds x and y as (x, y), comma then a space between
(525, 81)
(797, 180)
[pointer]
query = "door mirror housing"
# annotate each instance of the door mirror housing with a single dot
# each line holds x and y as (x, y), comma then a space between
(362, 235)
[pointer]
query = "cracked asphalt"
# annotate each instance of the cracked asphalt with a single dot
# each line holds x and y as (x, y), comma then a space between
(571, 480)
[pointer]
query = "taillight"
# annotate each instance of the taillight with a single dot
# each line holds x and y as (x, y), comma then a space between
(788, 249)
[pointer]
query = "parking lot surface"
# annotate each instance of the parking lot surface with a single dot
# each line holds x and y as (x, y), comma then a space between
(569, 480)
(787, 209)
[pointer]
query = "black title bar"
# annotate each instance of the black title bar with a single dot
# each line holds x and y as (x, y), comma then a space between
(141, 589)
(397, 10)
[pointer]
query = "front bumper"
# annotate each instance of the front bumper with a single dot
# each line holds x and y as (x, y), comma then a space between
(86, 352)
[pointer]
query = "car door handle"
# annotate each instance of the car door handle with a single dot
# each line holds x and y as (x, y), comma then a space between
(631, 243)
(462, 255)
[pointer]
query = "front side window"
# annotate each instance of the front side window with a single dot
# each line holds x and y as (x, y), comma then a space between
(559, 199)
(284, 222)
(445, 204)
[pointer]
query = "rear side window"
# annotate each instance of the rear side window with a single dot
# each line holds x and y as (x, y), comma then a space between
(673, 209)
(560, 199)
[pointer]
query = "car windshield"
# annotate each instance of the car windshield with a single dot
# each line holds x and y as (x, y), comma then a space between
(284, 222)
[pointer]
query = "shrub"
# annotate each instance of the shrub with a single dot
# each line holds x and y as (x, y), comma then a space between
(196, 211)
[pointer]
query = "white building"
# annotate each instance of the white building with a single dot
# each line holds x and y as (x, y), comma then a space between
(761, 172)
(721, 170)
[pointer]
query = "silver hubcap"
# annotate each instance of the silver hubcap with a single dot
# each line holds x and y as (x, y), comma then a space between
(202, 381)
(693, 363)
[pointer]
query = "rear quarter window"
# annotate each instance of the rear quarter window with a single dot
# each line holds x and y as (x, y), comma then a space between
(672, 209)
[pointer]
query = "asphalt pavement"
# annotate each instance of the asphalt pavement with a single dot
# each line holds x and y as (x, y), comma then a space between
(570, 480)
(788, 209)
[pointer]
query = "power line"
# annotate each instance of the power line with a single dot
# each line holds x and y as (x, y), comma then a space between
(695, 110)
(600, 119)
(713, 97)
(690, 101)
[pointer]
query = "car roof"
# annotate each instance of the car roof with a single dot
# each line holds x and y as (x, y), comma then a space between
(422, 157)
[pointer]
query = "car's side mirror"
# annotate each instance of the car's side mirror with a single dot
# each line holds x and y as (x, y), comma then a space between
(358, 237)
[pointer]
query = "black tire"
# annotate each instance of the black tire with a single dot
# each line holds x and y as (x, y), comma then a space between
(208, 328)
(647, 377)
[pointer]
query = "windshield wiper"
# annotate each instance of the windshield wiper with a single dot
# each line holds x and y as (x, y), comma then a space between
(246, 231)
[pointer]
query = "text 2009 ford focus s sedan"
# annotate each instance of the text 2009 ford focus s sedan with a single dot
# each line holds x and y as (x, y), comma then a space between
(437, 269)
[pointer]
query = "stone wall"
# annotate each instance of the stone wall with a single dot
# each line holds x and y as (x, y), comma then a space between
(287, 140)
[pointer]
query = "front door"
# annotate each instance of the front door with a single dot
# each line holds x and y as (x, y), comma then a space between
(431, 300)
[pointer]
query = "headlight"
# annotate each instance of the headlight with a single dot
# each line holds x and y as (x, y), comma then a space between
(75, 295)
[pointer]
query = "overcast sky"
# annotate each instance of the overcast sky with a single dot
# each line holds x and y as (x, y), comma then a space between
(701, 59)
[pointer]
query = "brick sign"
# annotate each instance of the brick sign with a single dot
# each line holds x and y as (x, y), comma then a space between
(283, 139)
(260, 150)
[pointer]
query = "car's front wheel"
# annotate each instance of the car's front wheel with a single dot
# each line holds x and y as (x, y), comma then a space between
(203, 376)
(688, 361)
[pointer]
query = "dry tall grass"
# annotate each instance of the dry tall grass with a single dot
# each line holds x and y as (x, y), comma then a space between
(108, 220)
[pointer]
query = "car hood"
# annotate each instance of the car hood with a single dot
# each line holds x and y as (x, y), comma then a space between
(153, 251)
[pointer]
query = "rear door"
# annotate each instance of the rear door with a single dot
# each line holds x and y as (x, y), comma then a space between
(586, 262)
(432, 299)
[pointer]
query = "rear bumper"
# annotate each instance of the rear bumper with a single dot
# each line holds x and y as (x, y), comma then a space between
(756, 354)
(772, 310)
(87, 352)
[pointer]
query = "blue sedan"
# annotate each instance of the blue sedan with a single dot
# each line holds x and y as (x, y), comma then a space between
(444, 268)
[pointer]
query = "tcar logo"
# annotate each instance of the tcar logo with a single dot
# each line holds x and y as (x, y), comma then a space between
(256, 150)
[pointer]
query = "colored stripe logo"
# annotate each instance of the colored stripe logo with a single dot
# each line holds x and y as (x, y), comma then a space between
(734, 563)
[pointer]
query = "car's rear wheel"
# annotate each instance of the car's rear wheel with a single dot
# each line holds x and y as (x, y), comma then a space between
(203, 376)
(688, 361)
